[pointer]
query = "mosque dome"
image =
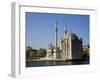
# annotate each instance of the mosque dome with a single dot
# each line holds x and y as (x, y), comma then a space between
(72, 35)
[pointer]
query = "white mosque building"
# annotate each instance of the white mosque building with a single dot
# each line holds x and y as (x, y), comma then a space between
(69, 48)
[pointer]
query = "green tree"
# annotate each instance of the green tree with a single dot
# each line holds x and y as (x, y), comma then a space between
(28, 49)
(42, 52)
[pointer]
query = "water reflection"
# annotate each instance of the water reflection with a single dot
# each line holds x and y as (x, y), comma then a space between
(54, 63)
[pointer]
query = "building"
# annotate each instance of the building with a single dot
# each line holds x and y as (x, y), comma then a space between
(51, 52)
(31, 54)
(70, 47)
(86, 50)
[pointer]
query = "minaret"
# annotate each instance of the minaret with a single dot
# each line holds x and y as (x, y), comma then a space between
(61, 44)
(65, 29)
(56, 40)
(66, 49)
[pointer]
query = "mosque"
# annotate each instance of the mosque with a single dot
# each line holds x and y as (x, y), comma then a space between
(70, 46)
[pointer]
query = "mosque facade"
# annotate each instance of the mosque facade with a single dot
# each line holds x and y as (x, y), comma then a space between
(70, 47)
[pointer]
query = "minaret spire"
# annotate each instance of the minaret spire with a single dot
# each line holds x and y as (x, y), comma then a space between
(56, 39)
(65, 28)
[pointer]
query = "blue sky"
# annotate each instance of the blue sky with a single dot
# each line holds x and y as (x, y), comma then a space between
(40, 28)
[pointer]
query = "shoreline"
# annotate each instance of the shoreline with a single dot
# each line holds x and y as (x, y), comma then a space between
(34, 60)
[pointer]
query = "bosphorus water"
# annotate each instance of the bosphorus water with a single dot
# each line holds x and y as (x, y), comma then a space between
(55, 63)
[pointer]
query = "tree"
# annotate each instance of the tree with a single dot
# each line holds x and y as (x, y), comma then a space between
(42, 52)
(28, 49)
